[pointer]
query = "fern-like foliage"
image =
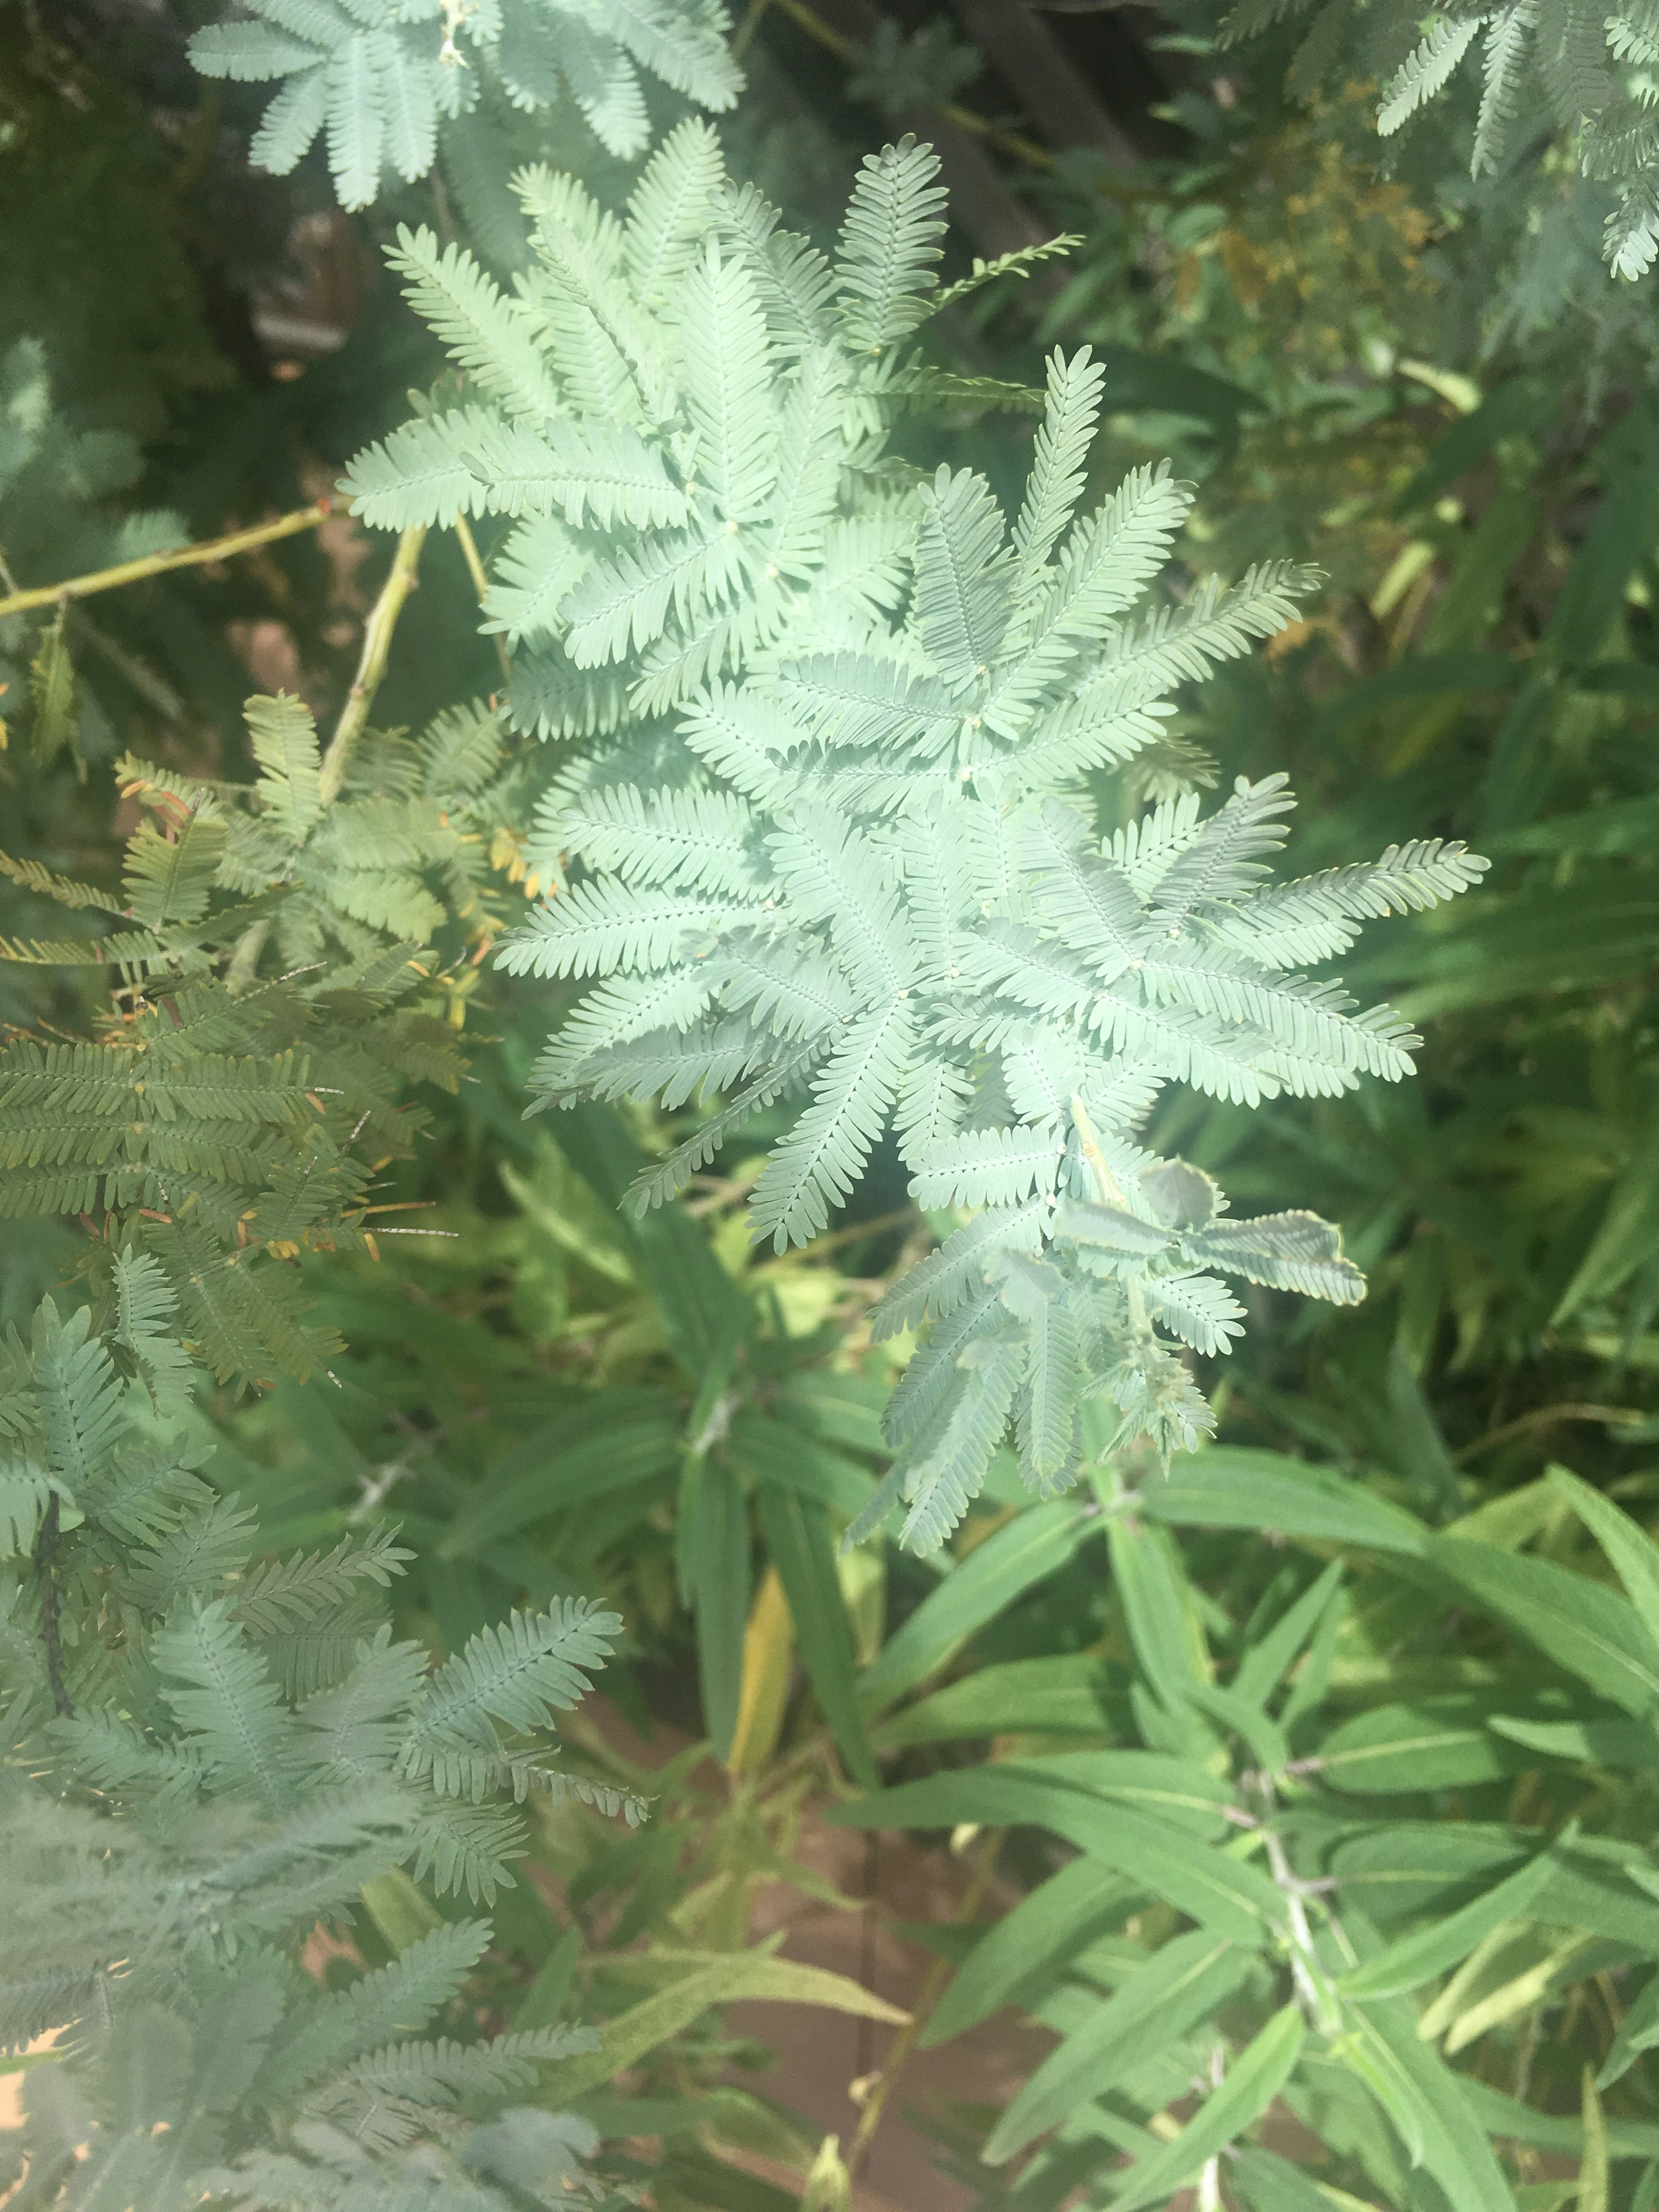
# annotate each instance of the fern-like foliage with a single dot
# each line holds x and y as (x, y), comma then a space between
(56, 479)
(379, 79)
(275, 996)
(841, 845)
(1570, 69)
(207, 1754)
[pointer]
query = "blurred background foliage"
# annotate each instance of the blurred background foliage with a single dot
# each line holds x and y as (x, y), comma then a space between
(1429, 387)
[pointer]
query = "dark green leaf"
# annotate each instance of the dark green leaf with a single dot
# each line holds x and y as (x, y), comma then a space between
(1038, 1937)
(1229, 1488)
(1253, 2080)
(1006, 1565)
(802, 1550)
(1187, 1982)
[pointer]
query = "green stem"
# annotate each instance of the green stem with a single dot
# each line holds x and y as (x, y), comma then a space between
(846, 50)
(475, 569)
(879, 2090)
(750, 25)
(161, 564)
(371, 667)
(1111, 1191)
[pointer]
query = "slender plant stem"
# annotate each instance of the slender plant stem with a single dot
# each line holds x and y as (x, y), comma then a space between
(44, 1547)
(475, 569)
(747, 29)
(161, 564)
(847, 49)
(932, 1989)
(1111, 1191)
(371, 667)
(1546, 1417)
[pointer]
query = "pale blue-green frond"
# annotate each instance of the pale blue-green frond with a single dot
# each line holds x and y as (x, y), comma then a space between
(890, 246)
(671, 208)
(963, 603)
(1081, 894)
(486, 332)
(683, 44)
(797, 285)
(1058, 466)
(1223, 861)
(606, 924)
(833, 874)
(703, 839)
(816, 1165)
(988, 1167)
(1294, 924)
(1286, 1251)
(939, 1488)
(1428, 70)
(787, 1069)
(932, 1099)
(229, 1707)
(625, 601)
(938, 1285)
(535, 573)
(514, 1672)
(623, 1007)
(421, 473)
(728, 372)
(331, 2032)
(1198, 1309)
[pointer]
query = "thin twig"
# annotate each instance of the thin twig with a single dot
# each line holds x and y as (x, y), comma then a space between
(1545, 1416)
(849, 51)
(881, 2088)
(475, 569)
(1111, 1191)
(161, 564)
(371, 667)
(45, 1545)
(747, 29)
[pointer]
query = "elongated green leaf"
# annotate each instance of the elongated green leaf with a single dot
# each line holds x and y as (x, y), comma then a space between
(1186, 1981)
(1627, 1235)
(1253, 2080)
(1035, 1940)
(1436, 1743)
(1431, 1950)
(799, 1539)
(643, 2028)
(1506, 2116)
(996, 1572)
(1630, 1746)
(1075, 1695)
(1637, 2031)
(1163, 1627)
(1263, 1665)
(619, 1437)
(719, 1576)
(694, 1294)
(1268, 2183)
(777, 1452)
(1588, 1630)
(1215, 1889)
(1594, 2178)
(1229, 1488)
(1427, 2101)
(1634, 1554)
